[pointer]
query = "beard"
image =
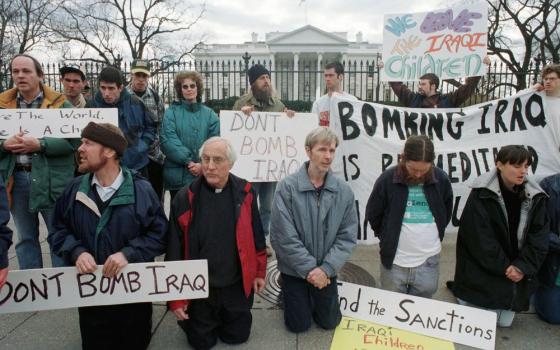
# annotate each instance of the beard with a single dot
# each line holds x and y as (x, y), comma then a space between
(411, 180)
(262, 95)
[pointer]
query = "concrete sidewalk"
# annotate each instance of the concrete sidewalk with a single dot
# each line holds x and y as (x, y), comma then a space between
(59, 329)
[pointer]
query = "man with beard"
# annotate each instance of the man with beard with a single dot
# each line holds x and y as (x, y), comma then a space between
(262, 99)
(428, 95)
(109, 216)
(408, 210)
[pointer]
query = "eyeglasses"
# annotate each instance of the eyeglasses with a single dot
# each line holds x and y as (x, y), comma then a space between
(216, 160)
(189, 86)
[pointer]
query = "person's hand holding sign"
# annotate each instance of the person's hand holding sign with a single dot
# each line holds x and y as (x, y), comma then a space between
(114, 264)
(86, 263)
(181, 313)
(3, 276)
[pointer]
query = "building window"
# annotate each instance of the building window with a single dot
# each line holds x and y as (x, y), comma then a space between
(207, 94)
(369, 95)
(241, 91)
(225, 92)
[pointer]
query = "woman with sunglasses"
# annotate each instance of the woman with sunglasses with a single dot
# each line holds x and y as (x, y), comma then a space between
(187, 123)
(503, 237)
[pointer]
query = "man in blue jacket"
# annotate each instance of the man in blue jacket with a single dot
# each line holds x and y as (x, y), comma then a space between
(313, 230)
(109, 216)
(134, 119)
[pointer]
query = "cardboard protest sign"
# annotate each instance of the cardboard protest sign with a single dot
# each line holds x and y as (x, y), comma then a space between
(269, 145)
(448, 42)
(61, 288)
(460, 324)
(58, 123)
(466, 142)
(352, 333)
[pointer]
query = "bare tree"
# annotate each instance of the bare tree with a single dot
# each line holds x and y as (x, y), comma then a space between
(110, 30)
(534, 22)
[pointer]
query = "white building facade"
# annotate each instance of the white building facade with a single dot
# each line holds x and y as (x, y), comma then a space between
(296, 61)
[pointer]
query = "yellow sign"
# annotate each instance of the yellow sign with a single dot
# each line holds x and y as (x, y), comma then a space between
(353, 334)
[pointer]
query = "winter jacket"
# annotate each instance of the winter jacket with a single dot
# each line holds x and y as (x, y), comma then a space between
(5, 231)
(484, 250)
(184, 129)
(272, 105)
(133, 222)
(136, 124)
(387, 204)
(550, 269)
(450, 100)
(308, 232)
(53, 166)
(248, 231)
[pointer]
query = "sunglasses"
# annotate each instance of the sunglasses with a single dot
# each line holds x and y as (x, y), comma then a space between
(189, 86)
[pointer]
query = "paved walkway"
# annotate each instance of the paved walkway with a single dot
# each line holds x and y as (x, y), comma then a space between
(59, 329)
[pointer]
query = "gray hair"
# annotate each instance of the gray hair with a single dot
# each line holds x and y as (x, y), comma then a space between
(230, 152)
(321, 134)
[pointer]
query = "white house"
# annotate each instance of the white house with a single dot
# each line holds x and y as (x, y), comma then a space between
(296, 61)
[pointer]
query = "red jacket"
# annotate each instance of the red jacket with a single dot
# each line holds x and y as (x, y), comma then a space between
(249, 232)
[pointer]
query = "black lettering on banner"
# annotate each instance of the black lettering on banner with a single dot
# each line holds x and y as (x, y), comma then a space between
(539, 119)
(200, 283)
(82, 283)
(104, 284)
(401, 305)
(17, 296)
(410, 126)
(47, 131)
(369, 119)
(7, 286)
(36, 289)
(345, 111)
(454, 134)
(498, 121)
(351, 159)
(56, 277)
(393, 121)
(155, 278)
(483, 128)
(133, 283)
(386, 161)
(465, 166)
(116, 280)
(517, 116)
(535, 157)
(435, 125)
(455, 214)
(171, 280)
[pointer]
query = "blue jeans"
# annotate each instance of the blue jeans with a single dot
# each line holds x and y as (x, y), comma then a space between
(28, 247)
(421, 281)
(265, 194)
(504, 317)
(547, 304)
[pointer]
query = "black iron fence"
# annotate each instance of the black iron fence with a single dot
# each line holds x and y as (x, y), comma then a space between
(225, 79)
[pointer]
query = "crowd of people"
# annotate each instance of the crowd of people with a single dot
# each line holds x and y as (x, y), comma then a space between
(101, 198)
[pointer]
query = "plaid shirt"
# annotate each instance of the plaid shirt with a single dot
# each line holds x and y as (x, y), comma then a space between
(25, 159)
(156, 111)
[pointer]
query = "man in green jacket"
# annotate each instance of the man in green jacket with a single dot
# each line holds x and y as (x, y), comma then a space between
(36, 170)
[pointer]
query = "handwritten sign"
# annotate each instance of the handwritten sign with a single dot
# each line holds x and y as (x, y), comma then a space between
(357, 334)
(60, 288)
(466, 142)
(60, 123)
(450, 43)
(460, 324)
(269, 145)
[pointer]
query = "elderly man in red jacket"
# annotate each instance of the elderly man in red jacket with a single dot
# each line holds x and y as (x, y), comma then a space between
(216, 218)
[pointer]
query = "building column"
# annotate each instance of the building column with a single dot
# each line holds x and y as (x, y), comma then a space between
(273, 71)
(319, 71)
(296, 77)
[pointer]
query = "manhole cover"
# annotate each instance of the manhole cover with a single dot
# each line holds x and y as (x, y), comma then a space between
(349, 273)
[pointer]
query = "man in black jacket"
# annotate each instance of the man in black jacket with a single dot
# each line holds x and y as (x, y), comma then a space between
(408, 210)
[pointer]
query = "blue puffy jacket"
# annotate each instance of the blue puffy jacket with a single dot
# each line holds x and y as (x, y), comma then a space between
(5, 232)
(133, 223)
(137, 126)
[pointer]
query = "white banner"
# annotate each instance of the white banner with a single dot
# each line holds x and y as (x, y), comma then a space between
(448, 42)
(269, 145)
(466, 141)
(64, 287)
(453, 322)
(60, 123)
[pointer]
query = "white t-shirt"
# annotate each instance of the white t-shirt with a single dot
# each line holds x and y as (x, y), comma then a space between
(419, 237)
(322, 106)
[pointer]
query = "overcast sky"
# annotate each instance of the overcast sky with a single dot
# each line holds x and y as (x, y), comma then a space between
(231, 22)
